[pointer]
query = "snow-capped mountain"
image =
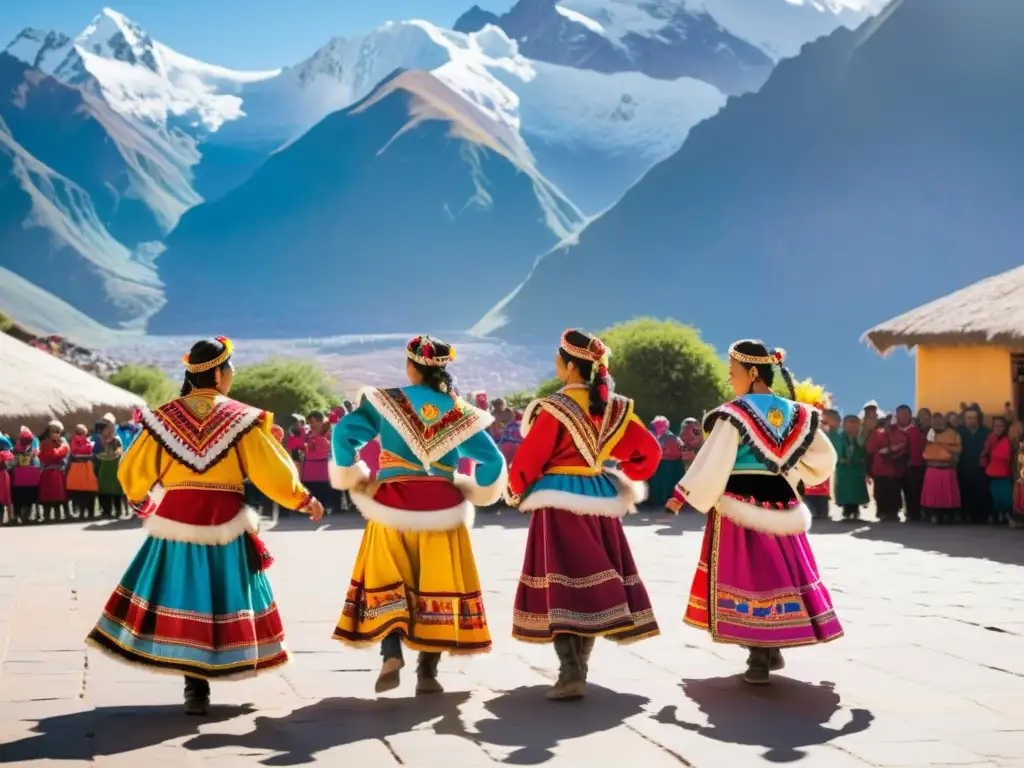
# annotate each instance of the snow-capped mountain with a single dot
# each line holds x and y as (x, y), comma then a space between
(732, 44)
(591, 134)
(139, 76)
(410, 185)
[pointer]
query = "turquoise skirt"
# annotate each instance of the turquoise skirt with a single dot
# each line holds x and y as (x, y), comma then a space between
(197, 609)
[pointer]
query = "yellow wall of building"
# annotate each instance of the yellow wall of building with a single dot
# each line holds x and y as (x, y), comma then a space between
(948, 376)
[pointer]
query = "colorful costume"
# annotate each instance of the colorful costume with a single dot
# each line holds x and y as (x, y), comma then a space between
(25, 474)
(757, 583)
(110, 491)
(6, 461)
(415, 579)
(53, 457)
(579, 580)
(195, 599)
(82, 484)
(670, 468)
(940, 496)
(851, 478)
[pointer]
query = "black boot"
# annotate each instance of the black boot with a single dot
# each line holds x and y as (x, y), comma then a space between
(586, 649)
(197, 696)
(758, 667)
(426, 674)
(390, 669)
(571, 684)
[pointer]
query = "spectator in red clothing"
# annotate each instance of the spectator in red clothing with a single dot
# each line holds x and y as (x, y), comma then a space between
(889, 452)
(998, 458)
(913, 480)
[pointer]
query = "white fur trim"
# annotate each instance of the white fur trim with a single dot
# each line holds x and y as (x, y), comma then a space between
(529, 414)
(347, 478)
(624, 503)
(482, 495)
(410, 520)
(427, 454)
(246, 521)
(184, 453)
(777, 522)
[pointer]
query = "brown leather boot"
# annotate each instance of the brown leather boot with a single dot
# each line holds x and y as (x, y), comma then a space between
(571, 684)
(586, 649)
(426, 674)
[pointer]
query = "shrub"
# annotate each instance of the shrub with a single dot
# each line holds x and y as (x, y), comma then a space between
(518, 399)
(151, 384)
(5, 323)
(665, 367)
(284, 386)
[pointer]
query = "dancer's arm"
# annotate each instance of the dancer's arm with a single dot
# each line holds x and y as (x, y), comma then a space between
(638, 451)
(491, 474)
(704, 483)
(532, 456)
(817, 465)
(141, 468)
(348, 437)
(267, 464)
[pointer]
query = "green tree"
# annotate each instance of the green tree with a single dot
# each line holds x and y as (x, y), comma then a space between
(150, 383)
(665, 367)
(518, 399)
(284, 386)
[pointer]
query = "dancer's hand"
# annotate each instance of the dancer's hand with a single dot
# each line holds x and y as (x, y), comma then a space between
(316, 510)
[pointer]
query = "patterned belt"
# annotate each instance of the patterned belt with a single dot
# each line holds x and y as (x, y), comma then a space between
(389, 460)
(192, 486)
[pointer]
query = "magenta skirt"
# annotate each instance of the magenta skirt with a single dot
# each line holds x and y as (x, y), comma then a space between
(5, 488)
(941, 488)
(759, 590)
(579, 578)
(51, 487)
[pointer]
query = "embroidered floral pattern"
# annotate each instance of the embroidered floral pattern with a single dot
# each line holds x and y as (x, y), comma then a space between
(593, 440)
(198, 431)
(436, 439)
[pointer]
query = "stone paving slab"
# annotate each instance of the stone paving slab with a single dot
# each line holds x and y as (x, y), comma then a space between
(931, 671)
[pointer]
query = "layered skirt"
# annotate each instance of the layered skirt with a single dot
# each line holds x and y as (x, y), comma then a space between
(760, 589)
(81, 476)
(196, 599)
(415, 573)
(941, 488)
(579, 578)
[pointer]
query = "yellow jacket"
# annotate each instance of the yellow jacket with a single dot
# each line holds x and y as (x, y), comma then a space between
(206, 441)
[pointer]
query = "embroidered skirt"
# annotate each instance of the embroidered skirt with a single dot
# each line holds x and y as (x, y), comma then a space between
(663, 483)
(51, 487)
(422, 584)
(941, 488)
(203, 610)
(579, 578)
(759, 590)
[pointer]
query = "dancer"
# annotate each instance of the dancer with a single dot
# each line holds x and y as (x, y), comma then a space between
(579, 580)
(415, 579)
(195, 600)
(757, 583)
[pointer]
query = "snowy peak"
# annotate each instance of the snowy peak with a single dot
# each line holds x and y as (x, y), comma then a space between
(40, 49)
(113, 35)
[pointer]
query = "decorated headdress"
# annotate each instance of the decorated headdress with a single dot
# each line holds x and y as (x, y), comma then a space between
(54, 425)
(812, 394)
(217, 362)
(597, 354)
(429, 351)
(773, 356)
(25, 433)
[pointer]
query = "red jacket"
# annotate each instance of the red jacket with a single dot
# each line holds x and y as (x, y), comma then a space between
(917, 440)
(889, 449)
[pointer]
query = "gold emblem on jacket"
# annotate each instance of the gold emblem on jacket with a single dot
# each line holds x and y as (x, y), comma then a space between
(775, 417)
(429, 412)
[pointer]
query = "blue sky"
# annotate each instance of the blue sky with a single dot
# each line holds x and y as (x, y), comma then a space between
(244, 34)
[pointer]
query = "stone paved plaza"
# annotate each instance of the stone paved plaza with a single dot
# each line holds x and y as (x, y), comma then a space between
(931, 671)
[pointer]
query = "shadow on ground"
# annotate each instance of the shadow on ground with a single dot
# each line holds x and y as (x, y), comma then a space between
(520, 721)
(784, 717)
(109, 731)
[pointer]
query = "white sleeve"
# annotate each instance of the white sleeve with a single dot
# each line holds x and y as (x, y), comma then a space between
(816, 465)
(705, 481)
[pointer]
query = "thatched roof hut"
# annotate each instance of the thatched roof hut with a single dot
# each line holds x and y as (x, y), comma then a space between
(989, 312)
(36, 387)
